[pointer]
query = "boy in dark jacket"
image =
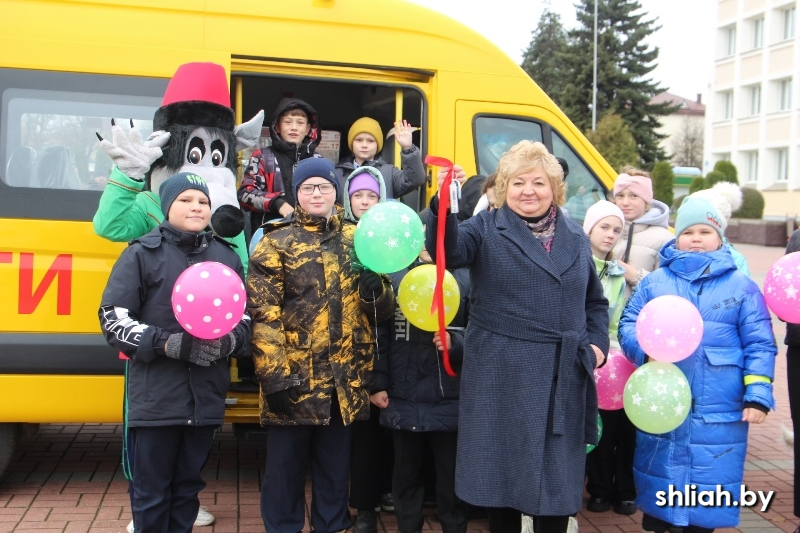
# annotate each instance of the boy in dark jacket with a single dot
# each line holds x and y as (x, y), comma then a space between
(176, 383)
(365, 140)
(419, 402)
(266, 189)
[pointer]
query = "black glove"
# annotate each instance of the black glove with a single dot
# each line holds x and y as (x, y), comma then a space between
(201, 352)
(227, 221)
(280, 402)
(370, 286)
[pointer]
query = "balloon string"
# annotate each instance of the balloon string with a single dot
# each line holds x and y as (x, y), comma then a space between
(438, 292)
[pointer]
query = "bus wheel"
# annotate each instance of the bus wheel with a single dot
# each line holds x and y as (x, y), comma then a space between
(9, 436)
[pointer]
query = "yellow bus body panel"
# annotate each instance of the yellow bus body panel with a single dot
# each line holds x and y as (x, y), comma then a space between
(458, 72)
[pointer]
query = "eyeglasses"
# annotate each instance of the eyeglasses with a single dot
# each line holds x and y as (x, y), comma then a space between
(324, 188)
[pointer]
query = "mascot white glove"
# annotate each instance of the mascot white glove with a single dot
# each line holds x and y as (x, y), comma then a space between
(130, 153)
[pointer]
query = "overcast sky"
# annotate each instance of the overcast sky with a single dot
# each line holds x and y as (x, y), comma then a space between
(685, 40)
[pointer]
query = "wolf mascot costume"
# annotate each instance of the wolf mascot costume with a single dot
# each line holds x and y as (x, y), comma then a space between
(194, 132)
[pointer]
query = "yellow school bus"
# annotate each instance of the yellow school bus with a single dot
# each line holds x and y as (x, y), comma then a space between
(68, 66)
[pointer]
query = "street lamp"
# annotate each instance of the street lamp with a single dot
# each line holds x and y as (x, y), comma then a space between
(594, 74)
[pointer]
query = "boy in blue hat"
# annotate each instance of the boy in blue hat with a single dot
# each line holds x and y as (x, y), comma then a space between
(313, 347)
(176, 383)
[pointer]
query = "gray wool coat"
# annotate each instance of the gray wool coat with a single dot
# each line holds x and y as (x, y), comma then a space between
(528, 399)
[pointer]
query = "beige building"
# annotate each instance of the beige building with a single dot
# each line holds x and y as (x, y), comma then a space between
(684, 129)
(752, 115)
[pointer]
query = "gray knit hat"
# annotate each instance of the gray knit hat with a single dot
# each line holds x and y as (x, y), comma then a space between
(178, 183)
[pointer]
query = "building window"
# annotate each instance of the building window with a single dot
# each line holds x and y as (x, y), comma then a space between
(788, 18)
(725, 99)
(754, 100)
(782, 164)
(751, 160)
(730, 41)
(758, 33)
(785, 101)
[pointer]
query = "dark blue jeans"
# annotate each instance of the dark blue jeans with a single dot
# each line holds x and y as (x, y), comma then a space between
(167, 465)
(290, 449)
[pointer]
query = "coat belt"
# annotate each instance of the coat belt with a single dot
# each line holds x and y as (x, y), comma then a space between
(568, 344)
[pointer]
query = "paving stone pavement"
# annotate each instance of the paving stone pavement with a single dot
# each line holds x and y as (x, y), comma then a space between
(67, 478)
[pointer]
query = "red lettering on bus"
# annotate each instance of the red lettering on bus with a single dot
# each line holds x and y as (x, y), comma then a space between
(5, 257)
(29, 299)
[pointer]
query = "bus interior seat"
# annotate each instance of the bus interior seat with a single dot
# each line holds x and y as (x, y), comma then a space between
(55, 169)
(19, 169)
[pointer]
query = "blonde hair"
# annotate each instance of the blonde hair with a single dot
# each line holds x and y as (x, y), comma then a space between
(524, 157)
(633, 171)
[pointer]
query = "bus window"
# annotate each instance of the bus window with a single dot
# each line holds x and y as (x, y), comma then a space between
(60, 129)
(495, 135)
(49, 140)
(583, 189)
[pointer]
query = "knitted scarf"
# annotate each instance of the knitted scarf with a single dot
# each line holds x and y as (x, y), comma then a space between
(545, 228)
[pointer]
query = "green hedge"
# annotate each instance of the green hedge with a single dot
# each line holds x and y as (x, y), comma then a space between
(698, 184)
(663, 181)
(752, 204)
(729, 170)
(714, 177)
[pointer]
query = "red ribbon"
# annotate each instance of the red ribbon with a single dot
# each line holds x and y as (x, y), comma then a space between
(438, 291)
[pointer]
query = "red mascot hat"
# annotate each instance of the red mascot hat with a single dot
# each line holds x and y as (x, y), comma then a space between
(197, 95)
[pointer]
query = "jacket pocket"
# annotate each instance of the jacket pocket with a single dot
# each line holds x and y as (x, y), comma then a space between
(724, 356)
(711, 418)
(723, 385)
(299, 357)
(363, 355)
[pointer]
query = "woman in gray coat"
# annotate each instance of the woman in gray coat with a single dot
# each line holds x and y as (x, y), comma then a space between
(538, 328)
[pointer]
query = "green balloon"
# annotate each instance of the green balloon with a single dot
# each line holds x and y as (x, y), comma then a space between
(590, 447)
(657, 397)
(388, 237)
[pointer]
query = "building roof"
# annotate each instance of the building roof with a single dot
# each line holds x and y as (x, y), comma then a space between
(688, 107)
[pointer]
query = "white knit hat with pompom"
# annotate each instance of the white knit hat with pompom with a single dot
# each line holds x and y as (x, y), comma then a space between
(724, 196)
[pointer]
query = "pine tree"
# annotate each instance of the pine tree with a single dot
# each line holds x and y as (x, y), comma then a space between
(614, 141)
(624, 62)
(543, 59)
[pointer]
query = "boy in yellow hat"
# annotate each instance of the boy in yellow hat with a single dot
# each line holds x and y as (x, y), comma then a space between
(365, 140)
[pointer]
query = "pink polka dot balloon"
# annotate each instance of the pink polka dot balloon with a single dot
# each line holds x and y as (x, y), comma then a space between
(669, 328)
(782, 288)
(208, 300)
(611, 379)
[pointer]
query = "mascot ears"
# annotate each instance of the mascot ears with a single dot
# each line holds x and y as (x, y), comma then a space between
(247, 134)
(199, 82)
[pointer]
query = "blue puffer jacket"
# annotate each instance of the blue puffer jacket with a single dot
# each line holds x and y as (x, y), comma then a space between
(422, 396)
(709, 448)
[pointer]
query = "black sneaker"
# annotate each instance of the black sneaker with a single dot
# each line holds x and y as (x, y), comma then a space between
(598, 505)
(366, 522)
(387, 502)
(625, 507)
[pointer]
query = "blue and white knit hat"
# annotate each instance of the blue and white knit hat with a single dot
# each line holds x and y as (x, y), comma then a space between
(696, 210)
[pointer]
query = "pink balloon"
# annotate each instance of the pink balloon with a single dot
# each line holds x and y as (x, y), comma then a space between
(611, 379)
(782, 288)
(208, 300)
(669, 328)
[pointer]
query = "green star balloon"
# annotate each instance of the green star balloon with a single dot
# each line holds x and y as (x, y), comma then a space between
(590, 447)
(657, 397)
(388, 237)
